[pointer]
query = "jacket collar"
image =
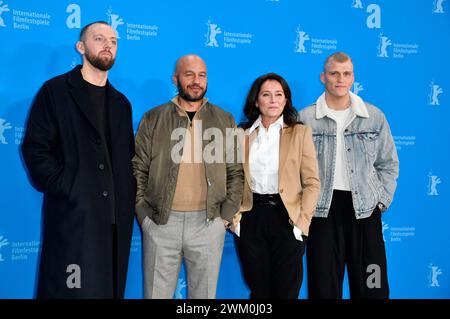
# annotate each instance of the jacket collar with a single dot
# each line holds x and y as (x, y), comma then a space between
(278, 124)
(78, 92)
(357, 104)
(181, 111)
(76, 79)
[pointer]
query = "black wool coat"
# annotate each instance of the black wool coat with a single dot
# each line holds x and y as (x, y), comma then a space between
(83, 182)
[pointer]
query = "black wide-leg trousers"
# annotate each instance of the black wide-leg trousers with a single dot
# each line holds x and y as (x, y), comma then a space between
(270, 255)
(339, 240)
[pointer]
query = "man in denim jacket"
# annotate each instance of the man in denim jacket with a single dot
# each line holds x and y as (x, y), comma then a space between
(358, 167)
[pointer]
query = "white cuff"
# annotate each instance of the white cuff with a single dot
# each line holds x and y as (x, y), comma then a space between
(298, 233)
(237, 229)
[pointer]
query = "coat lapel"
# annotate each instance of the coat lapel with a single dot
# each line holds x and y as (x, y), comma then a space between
(78, 92)
(114, 110)
(82, 101)
(285, 141)
(248, 141)
(114, 114)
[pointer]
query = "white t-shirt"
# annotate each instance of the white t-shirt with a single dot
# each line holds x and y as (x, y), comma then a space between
(342, 118)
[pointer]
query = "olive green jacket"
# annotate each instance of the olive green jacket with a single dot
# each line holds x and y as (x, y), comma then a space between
(157, 141)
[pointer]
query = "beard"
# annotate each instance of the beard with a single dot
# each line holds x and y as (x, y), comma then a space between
(101, 63)
(186, 96)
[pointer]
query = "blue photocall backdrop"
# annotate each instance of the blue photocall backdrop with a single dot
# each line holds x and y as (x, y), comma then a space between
(400, 51)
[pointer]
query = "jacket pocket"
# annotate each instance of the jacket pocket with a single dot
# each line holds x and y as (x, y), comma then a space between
(369, 141)
(62, 183)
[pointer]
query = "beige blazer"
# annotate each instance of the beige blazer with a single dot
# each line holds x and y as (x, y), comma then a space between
(298, 175)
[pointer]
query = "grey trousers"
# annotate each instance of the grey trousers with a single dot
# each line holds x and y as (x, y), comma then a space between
(186, 235)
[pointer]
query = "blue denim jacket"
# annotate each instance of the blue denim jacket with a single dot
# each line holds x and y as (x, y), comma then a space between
(371, 156)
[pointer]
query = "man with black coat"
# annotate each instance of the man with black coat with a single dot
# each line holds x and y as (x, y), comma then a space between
(78, 148)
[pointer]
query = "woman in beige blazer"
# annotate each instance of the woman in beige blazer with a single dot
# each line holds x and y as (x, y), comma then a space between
(281, 189)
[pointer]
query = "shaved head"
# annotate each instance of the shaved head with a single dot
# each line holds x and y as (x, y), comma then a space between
(86, 28)
(186, 60)
(190, 78)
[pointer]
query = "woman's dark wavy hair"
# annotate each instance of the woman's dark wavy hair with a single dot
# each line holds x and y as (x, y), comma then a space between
(251, 112)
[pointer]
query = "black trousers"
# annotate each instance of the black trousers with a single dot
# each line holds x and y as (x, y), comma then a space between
(270, 255)
(339, 240)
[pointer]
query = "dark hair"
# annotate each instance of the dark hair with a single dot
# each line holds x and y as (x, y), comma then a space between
(251, 112)
(86, 27)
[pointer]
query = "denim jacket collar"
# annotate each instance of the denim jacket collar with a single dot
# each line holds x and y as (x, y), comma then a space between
(357, 104)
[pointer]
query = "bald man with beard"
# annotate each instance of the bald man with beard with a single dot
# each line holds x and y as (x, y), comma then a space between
(184, 200)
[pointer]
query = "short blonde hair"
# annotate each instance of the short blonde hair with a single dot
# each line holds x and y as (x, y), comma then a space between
(338, 57)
